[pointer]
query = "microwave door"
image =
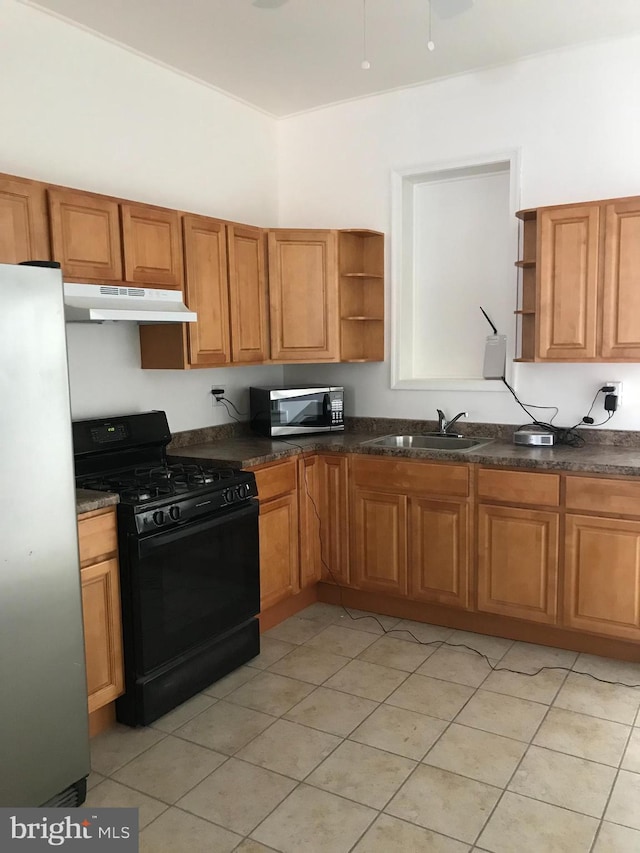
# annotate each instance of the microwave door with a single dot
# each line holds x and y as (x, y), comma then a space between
(309, 412)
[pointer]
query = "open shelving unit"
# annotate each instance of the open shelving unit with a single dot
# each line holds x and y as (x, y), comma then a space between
(361, 268)
(526, 311)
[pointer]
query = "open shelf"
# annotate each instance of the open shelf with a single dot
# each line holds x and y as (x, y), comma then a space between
(526, 324)
(361, 267)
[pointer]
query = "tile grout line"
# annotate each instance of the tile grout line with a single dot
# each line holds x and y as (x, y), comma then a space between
(420, 763)
(517, 767)
(615, 781)
(435, 645)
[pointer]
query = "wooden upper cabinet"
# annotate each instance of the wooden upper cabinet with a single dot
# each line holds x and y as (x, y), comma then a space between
(206, 290)
(303, 291)
(85, 235)
(621, 281)
(518, 562)
(602, 576)
(248, 296)
(152, 246)
(567, 308)
(23, 221)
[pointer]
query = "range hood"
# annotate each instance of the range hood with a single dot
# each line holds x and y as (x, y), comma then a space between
(101, 303)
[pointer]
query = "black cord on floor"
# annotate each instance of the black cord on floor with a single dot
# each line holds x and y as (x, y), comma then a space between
(384, 630)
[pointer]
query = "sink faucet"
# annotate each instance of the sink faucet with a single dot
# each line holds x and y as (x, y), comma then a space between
(444, 425)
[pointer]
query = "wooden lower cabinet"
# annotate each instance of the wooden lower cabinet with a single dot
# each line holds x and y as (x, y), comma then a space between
(279, 531)
(101, 613)
(279, 565)
(410, 533)
(518, 562)
(602, 576)
(380, 541)
(334, 515)
(324, 518)
(439, 551)
(102, 632)
(310, 522)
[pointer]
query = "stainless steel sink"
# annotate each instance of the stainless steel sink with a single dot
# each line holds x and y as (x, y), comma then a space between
(428, 442)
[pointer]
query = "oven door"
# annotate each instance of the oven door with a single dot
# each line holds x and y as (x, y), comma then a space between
(295, 412)
(192, 583)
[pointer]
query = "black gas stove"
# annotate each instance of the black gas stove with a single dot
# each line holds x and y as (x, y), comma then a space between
(173, 491)
(189, 560)
(127, 455)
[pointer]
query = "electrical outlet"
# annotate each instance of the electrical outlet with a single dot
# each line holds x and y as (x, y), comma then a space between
(216, 393)
(617, 391)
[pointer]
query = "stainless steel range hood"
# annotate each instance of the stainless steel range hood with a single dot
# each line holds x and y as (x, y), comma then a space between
(101, 303)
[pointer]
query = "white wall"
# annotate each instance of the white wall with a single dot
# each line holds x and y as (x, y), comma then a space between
(82, 112)
(574, 117)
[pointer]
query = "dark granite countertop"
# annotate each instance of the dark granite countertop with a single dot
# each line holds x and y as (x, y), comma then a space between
(88, 500)
(244, 451)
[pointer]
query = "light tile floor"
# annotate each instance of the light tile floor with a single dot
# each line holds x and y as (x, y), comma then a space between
(340, 738)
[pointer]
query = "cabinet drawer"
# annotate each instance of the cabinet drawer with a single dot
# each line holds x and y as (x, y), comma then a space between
(616, 497)
(275, 480)
(519, 487)
(394, 475)
(97, 536)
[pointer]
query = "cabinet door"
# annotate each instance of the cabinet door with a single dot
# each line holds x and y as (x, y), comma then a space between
(310, 520)
(102, 632)
(23, 221)
(518, 563)
(334, 513)
(602, 576)
(439, 551)
(568, 283)
(248, 294)
(303, 292)
(206, 290)
(379, 557)
(279, 565)
(621, 294)
(152, 246)
(85, 235)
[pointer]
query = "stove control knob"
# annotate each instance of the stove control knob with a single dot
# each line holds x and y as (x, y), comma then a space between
(229, 496)
(243, 490)
(174, 513)
(158, 517)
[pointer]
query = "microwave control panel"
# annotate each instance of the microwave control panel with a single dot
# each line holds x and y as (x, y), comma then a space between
(336, 405)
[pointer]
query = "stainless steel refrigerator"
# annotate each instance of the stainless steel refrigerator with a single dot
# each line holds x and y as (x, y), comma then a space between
(44, 744)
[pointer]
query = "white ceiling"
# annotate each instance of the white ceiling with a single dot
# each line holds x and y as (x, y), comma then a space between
(307, 53)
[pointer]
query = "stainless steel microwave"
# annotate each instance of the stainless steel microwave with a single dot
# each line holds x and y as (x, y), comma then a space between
(282, 410)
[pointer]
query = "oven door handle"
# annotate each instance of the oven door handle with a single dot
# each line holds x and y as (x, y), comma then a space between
(166, 537)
